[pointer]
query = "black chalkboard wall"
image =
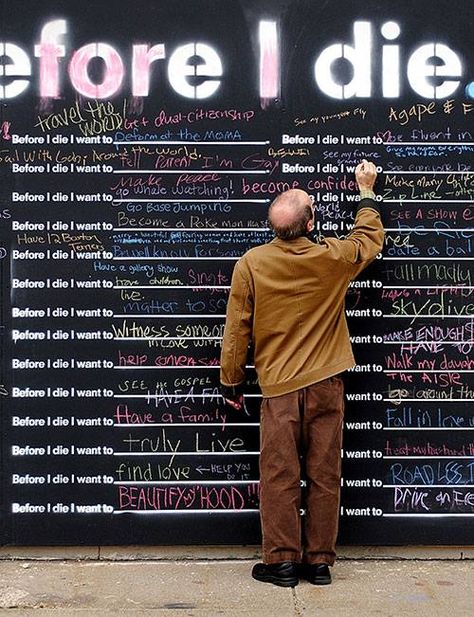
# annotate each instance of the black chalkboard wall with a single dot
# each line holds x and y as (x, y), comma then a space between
(140, 145)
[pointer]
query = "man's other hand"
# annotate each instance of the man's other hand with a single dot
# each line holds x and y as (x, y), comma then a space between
(366, 175)
(236, 403)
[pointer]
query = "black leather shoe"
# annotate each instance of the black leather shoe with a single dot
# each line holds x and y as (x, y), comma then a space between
(282, 574)
(316, 574)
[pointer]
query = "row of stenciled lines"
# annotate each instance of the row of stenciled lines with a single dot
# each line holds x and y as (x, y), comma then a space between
(406, 229)
(176, 396)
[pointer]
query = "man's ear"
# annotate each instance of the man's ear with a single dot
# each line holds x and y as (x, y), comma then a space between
(309, 226)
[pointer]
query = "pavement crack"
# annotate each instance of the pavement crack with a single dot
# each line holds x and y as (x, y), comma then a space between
(298, 606)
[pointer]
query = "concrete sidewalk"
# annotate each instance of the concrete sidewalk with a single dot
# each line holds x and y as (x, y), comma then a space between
(214, 588)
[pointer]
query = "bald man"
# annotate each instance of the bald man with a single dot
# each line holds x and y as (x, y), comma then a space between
(287, 299)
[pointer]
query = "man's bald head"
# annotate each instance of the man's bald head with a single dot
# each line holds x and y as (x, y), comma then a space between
(290, 215)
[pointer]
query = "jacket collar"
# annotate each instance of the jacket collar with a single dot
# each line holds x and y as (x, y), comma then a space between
(296, 243)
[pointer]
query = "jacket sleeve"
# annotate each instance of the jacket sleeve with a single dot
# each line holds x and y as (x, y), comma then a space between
(366, 239)
(237, 333)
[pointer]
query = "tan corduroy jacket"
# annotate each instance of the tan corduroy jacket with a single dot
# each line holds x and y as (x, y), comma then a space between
(287, 298)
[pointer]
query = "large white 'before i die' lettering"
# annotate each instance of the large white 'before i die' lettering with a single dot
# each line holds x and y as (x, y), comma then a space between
(194, 69)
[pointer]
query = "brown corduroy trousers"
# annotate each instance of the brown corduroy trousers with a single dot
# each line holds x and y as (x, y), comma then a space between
(301, 435)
